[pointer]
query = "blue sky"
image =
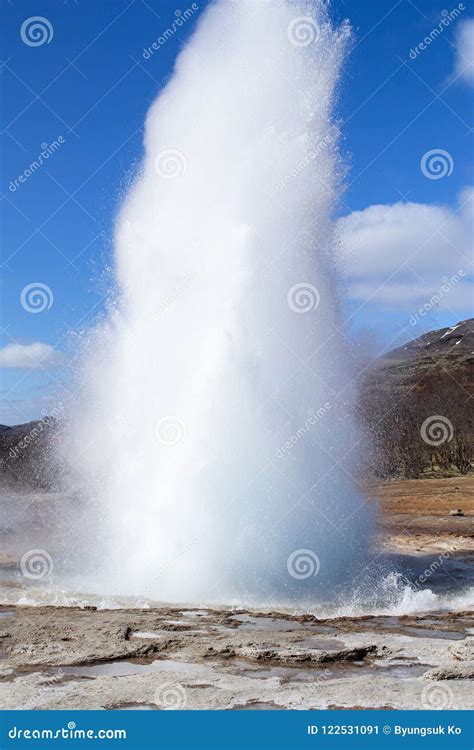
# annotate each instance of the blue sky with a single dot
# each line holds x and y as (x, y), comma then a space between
(87, 92)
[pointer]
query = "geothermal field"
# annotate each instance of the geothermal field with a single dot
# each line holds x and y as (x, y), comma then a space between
(233, 507)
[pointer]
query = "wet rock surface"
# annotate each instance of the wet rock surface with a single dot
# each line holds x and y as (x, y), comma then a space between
(151, 659)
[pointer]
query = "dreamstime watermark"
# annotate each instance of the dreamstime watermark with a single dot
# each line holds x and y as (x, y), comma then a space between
(137, 234)
(303, 297)
(437, 696)
(302, 431)
(328, 140)
(36, 31)
(180, 553)
(420, 581)
(178, 289)
(171, 696)
(36, 564)
(322, 675)
(70, 732)
(43, 690)
(181, 18)
(437, 430)
(170, 431)
(436, 298)
(303, 563)
(36, 297)
(170, 164)
(436, 164)
(447, 17)
(44, 423)
(47, 150)
(318, 678)
(303, 31)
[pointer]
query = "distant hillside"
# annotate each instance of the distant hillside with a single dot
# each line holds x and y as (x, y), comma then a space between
(448, 350)
(416, 403)
(26, 454)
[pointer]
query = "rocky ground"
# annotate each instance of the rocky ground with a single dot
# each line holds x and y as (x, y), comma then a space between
(426, 516)
(90, 659)
(67, 657)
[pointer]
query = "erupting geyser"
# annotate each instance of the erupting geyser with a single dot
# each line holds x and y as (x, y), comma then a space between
(216, 428)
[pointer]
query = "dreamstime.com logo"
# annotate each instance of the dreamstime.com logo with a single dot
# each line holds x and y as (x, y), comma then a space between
(303, 31)
(436, 164)
(436, 565)
(42, 692)
(330, 139)
(46, 421)
(303, 297)
(178, 289)
(437, 696)
(36, 564)
(437, 430)
(71, 732)
(36, 297)
(171, 697)
(314, 417)
(303, 563)
(179, 554)
(47, 150)
(36, 31)
(180, 19)
(170, 431)
(447, 17)
(437, 297)
(170, 164)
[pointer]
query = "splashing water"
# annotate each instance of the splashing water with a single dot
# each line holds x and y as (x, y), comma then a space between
(216, 428)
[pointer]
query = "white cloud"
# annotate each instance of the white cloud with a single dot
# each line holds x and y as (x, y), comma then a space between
(465, 50)
(30, 356)
(399, 255)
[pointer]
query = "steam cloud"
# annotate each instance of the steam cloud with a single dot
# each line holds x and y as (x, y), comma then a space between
(225, 361)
